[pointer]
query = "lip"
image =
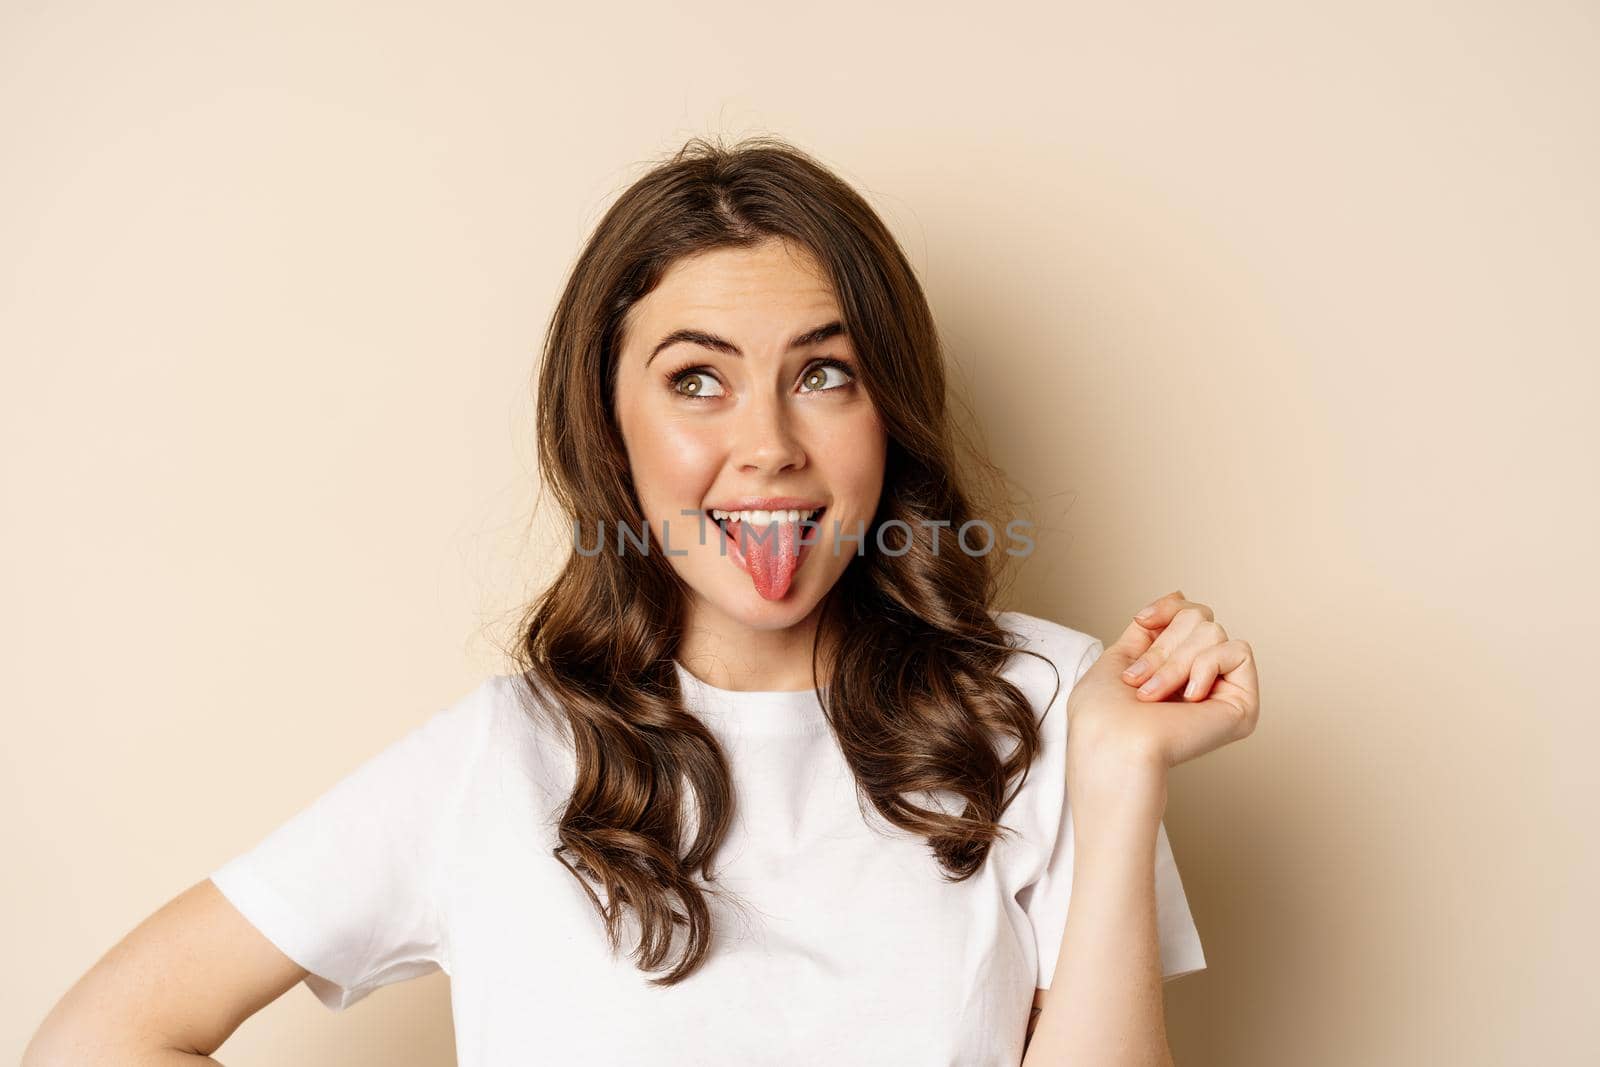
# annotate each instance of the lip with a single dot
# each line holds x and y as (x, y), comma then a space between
(766, 503)
(736, 557)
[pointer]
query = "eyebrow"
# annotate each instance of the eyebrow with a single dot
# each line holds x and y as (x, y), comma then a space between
(815, 335)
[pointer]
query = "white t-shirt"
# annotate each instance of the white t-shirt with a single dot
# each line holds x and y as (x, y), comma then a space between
(436, 854)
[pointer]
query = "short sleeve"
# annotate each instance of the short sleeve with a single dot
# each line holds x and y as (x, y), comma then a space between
(1044, 900)
(348, 886)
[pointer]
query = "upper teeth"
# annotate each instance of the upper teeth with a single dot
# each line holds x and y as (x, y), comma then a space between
(762, 518)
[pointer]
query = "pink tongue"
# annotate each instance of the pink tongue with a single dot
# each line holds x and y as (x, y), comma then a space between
(771, 556)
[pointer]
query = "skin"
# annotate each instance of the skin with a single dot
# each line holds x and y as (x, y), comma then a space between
(1198, 690)
(770, 422)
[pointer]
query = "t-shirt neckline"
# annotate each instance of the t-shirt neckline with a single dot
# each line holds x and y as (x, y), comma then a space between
(759, 711)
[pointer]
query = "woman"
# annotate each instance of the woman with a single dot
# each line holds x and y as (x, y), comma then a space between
(773, 781)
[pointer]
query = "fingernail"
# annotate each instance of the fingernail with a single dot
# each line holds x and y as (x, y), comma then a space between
(1150, 686)
(1147, 612)
(1192, 688)
(1137, 668)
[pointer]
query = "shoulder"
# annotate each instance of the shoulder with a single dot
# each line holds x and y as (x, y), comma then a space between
(522, 733)
(492, 704)
(472, 714)
(1059, 655)
(448, 740)
(461, 734)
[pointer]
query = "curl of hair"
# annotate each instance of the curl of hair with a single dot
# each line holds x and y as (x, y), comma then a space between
(914, 698)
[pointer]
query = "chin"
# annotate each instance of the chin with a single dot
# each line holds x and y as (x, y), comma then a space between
(751, 609)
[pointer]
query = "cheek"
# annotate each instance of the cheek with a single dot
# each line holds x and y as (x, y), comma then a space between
(860, 450)
(673, 463)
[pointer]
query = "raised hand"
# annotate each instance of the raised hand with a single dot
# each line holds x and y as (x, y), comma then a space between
(1175, 647)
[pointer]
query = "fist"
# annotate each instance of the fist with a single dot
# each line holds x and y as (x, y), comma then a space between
(1172, 687)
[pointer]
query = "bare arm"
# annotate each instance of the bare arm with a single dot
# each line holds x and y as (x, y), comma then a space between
(170, 992)
(1105, 1004)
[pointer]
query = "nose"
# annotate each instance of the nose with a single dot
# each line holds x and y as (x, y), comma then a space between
(765, 440)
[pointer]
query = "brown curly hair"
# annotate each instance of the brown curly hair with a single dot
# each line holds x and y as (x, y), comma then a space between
(914, 699)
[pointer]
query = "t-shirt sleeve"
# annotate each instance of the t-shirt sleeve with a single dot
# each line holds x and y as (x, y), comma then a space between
(1044, 900)
(348, 887)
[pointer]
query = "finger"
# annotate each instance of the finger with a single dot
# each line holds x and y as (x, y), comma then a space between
(1166, 637)
(1202, 675)
(1132, 643)
(1161, 649)
(1202, 635)
(1136, 640)
(1176, 631)
(1190, 730)
(1178, 666)
(1238, 680)
(1159, 610)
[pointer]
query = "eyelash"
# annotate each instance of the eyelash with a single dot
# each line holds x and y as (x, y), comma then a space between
(674, 377)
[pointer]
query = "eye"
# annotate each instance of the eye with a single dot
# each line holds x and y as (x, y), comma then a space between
(696, 382)
(690, 383)
(815, 375)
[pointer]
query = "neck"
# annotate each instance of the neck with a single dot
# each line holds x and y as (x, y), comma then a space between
(730, 654)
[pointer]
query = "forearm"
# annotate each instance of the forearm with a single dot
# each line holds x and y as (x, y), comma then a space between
(165, 1057)
(55, 1048)
(1105, 1003)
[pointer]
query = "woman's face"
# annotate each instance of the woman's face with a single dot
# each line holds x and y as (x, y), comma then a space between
(732, 394)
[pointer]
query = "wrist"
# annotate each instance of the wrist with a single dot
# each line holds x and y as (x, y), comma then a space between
(1115, 797)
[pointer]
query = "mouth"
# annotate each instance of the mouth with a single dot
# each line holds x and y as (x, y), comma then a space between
(730, 521)
(761, 570)
(761, 518)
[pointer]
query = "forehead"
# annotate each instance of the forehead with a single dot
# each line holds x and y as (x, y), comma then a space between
(767, 288)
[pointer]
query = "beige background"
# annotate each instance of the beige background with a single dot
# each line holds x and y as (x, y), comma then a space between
(1292, 306)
